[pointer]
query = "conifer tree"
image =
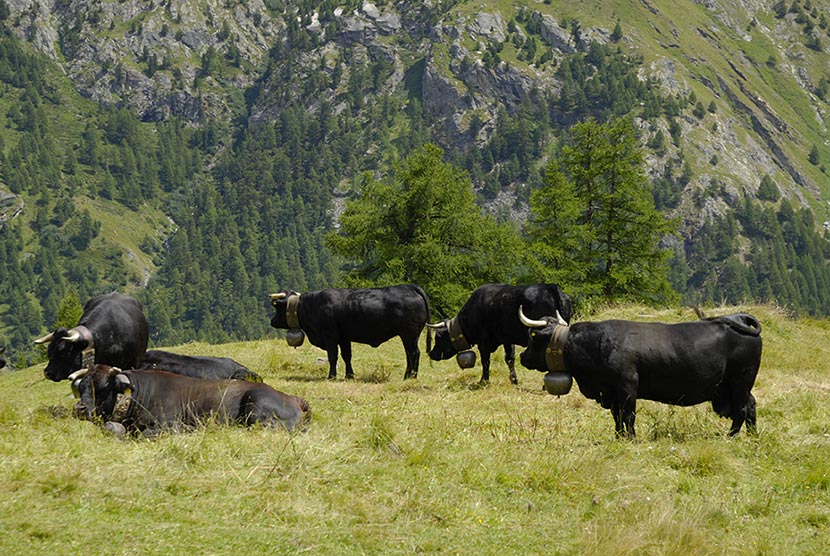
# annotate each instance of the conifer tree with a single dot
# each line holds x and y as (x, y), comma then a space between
(619, 230)
(423, 227)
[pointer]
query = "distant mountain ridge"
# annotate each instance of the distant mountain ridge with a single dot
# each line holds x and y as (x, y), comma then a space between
(766, 74)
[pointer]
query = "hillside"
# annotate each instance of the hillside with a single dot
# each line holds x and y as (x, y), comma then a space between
(432, 465)
(225, 130)
(763, 72)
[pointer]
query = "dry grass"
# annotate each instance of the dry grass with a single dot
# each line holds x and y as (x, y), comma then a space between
(435, 465)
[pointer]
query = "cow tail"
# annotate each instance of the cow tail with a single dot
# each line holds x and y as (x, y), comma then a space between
(743, 323)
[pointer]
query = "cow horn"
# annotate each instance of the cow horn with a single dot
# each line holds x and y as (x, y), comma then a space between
(437, 326)
(530, 323)
(73, 336)
(276, 296)
(114, 371)
(47, 338)
(78, 374)
(560, 320)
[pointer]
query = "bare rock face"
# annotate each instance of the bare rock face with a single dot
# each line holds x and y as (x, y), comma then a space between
(489, 26)
(10, 206)
(34, 21)
(560, 39)
(116, 52)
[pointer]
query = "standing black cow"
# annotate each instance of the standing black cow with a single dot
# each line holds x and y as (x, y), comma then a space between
(2, 361)
(489, 319)
(615, 362)
(113, 325)
(335, 318)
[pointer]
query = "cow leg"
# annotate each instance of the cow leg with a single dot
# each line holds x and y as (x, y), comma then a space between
(740, 414)
(616, 411)
(751, 424)
(485, 366)
(510, 359)
(743, 406)
(624, 415)
(629, 413)
(346, 353)
(624, 405)
(332, 353)
(413, 356)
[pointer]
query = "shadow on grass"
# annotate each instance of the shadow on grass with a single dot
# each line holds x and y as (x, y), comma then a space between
(53, 412)
(365, 379)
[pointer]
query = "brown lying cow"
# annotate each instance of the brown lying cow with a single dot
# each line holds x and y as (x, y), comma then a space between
(148, 401)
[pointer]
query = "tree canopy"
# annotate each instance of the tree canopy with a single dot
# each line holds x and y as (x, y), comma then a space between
(594, 226)
(422, 226)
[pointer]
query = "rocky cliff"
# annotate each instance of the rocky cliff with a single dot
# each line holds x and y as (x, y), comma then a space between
(759, 72)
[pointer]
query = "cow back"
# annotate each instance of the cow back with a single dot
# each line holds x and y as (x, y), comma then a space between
(119, 329)
(197, 366)
(364, 315)
(490, 315)
(164, 399)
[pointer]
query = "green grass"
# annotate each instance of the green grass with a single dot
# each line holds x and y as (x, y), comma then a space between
(434, 465)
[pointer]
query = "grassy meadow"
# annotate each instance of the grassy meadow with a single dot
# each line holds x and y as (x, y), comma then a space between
(433, 465)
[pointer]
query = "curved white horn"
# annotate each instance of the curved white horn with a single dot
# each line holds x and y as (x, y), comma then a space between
(47, 338)
(560, 320)
(78, 374)
(276, 296)
(530, 323)
(437, 326)
(73, 336)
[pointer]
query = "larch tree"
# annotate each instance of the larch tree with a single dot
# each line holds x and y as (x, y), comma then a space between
(422, 226)
(594, 224)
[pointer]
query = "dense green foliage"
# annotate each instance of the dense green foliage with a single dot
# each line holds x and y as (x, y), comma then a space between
(423, 227)
(595, 224)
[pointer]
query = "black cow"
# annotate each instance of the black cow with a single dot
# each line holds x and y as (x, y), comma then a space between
(2, 361)
(149, 401)
(197, 366)
(615, 362)
(335, 318)
(113, 325)
(488, 319)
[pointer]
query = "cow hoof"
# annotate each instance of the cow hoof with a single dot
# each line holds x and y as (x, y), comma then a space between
(349, 377)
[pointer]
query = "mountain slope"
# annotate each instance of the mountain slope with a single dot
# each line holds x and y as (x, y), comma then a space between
(190, 129)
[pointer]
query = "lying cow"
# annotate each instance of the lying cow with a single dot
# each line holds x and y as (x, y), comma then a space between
(150, 401)
(488, 319)
(335, 317)
(197, 366)
(112, 326)
(615, 362)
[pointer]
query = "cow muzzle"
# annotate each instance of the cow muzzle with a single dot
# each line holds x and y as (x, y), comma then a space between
(81, 411)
